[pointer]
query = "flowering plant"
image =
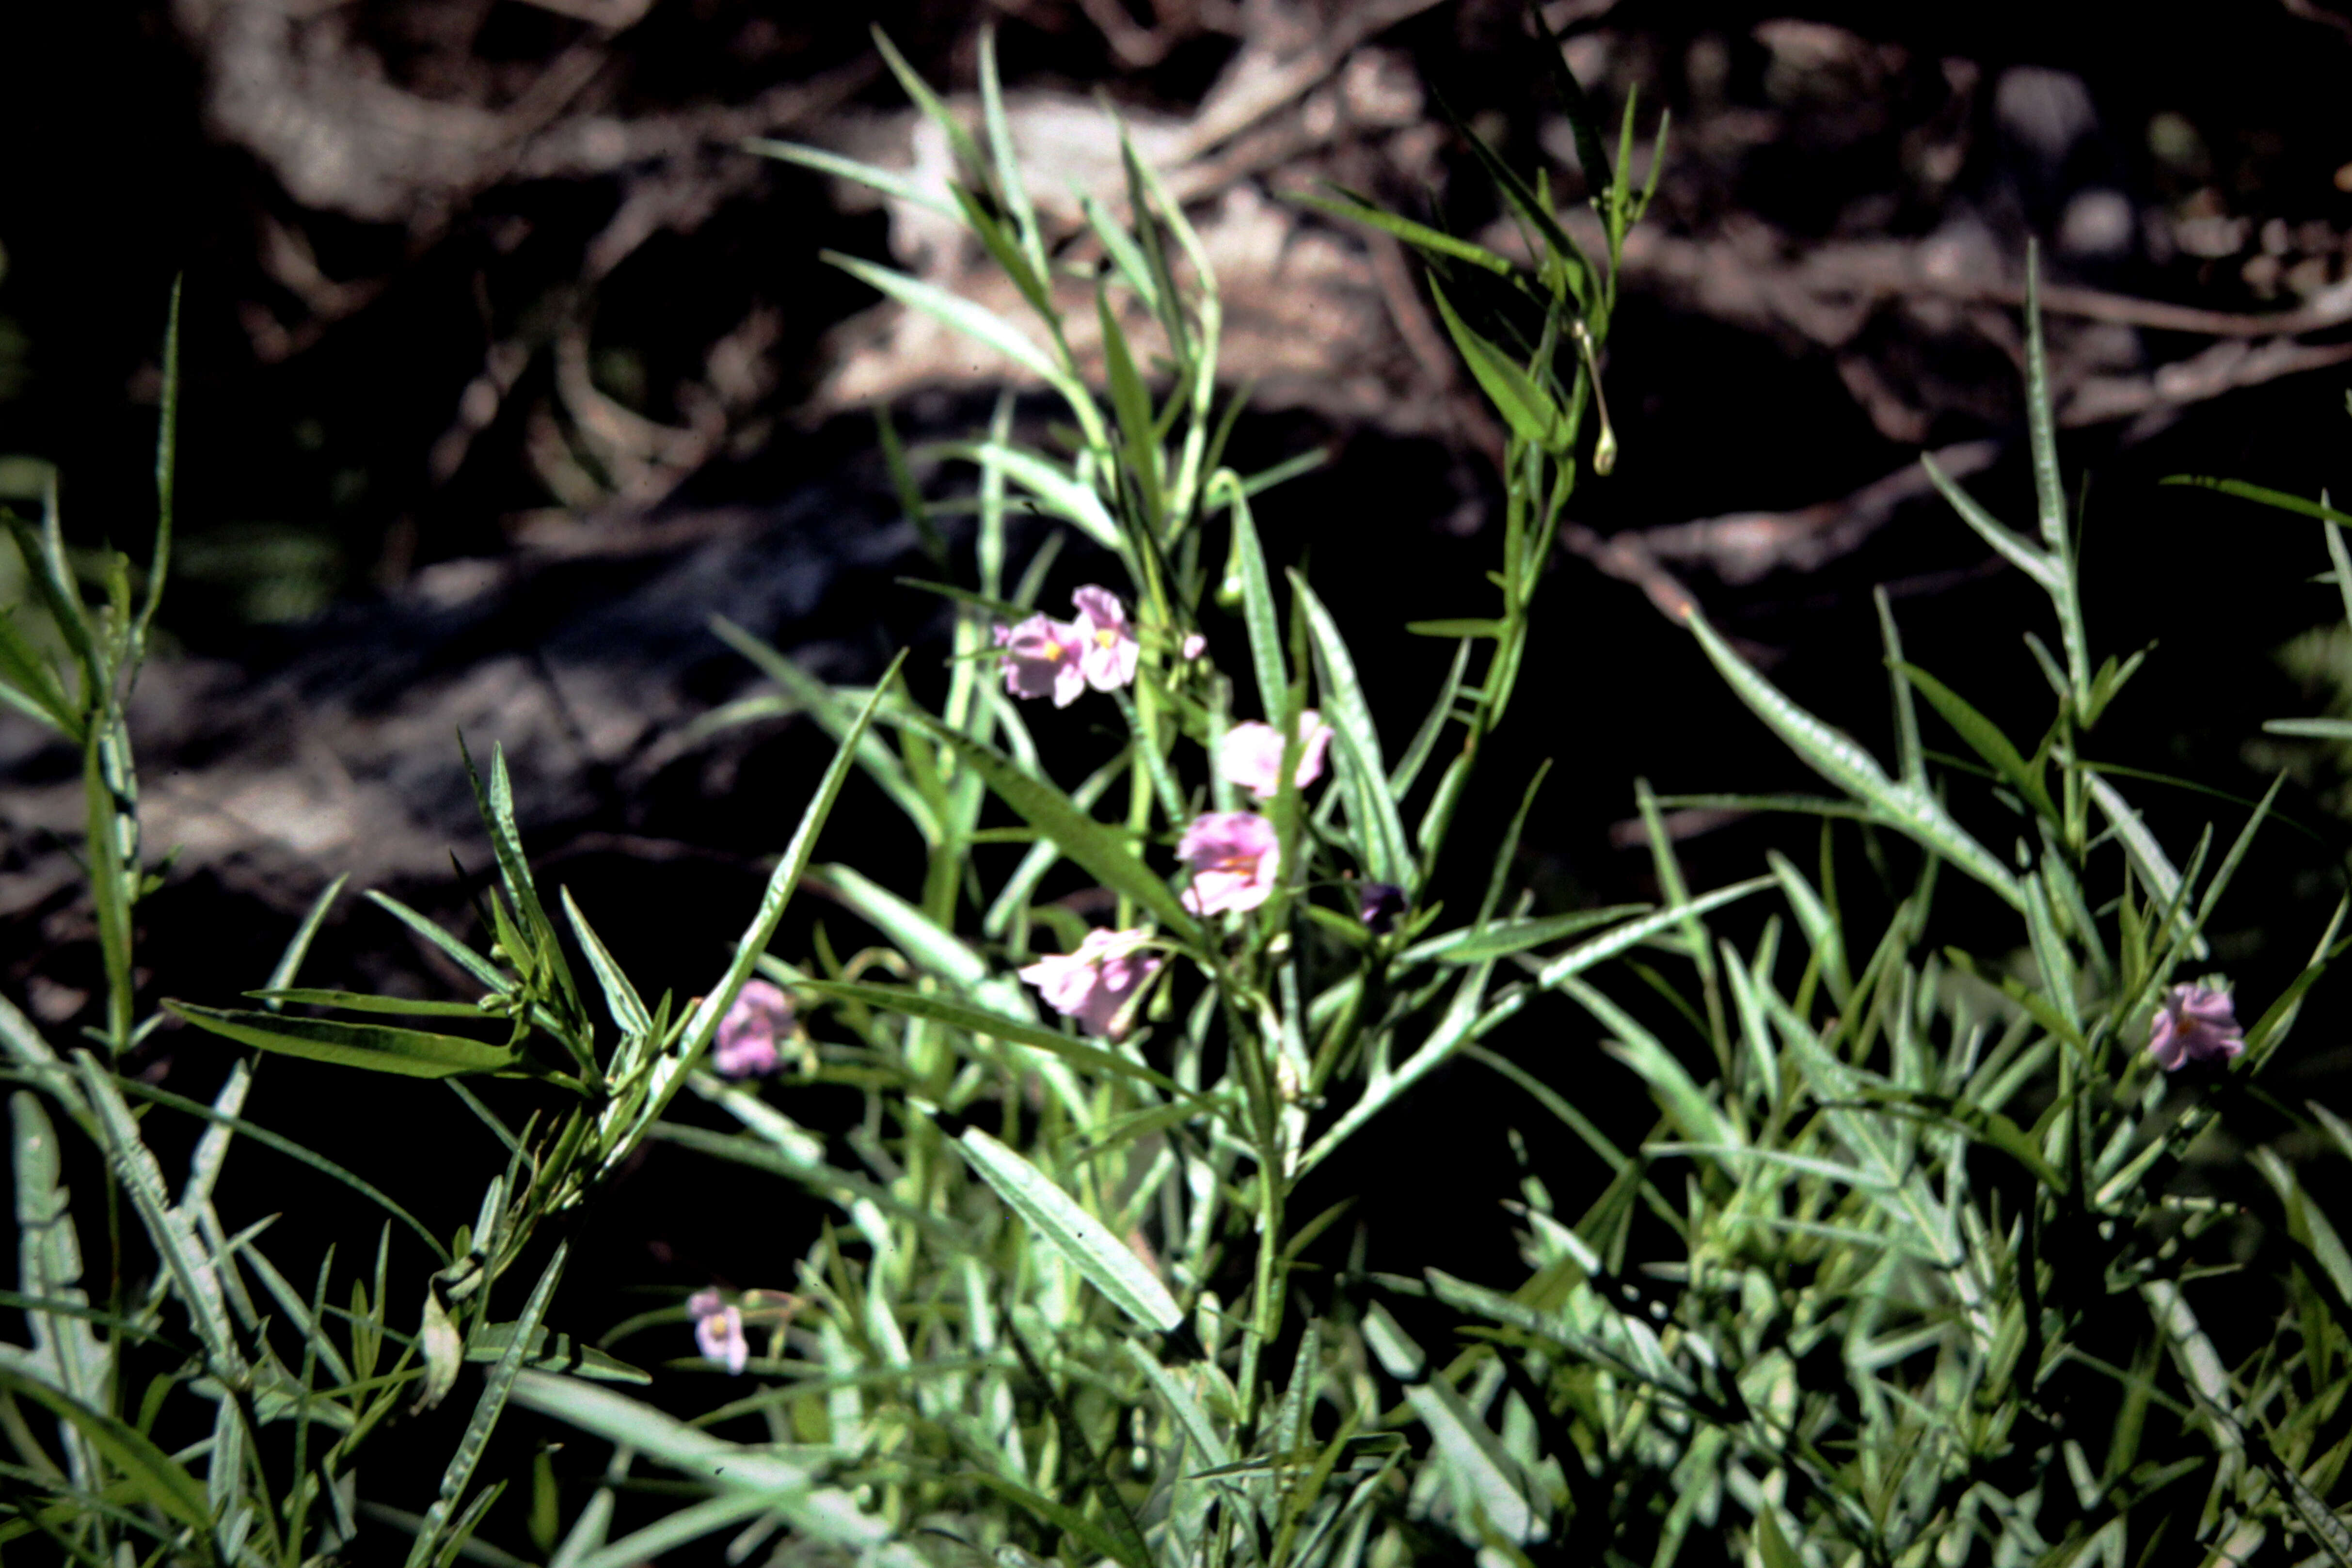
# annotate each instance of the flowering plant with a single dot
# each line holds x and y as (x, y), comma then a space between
(1901, 1261)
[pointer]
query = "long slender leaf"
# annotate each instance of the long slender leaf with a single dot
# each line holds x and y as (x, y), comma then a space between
(495, 1388)
(912, 1003)
(1351, 713)
(1836, 758)
(156, 1476)
(1097, 847)
(1079, 1237)
(411, 1052)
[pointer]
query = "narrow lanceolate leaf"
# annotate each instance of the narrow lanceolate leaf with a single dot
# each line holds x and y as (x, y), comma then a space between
(1345, 205)
(153, 1474)
(1351, 713)
(1086, 1241)
(2007, 545)
(909, 1003)
(824, 1513)
(1501, 938)
(66, 1348)
(171, 1233)
(1246, 574)
(621, 999)
(1051, 486)
(1094, 845)
(298, 946)
(412, 1053)
(31, 685)
(837, 714)
(496, 1387)
(1835, 757)
(933, 947)
(1621, 938)
(361, 1002)
(2155, 868)
(1525, 406)
(657, 1435)
(553, 1352)
(667, 1075)
(1984, 738)
(974, 321)
(895, 185)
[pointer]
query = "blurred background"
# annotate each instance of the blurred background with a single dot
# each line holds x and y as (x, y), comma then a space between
(505, 367)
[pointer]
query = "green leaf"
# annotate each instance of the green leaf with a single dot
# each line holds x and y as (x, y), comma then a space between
(1501, 938)
(917, 1004)
(1487, 628)
(380, 1047)
(1985, 739)
(1100, 849)
(361, 1002)
(1061, 494)
(891, 184)
(167, 449)
(552, 1353)
(2268, 497)
(621, 999)
(667, 1074)
(655, 1434)
(977, 323)
(1677, 1093)
(1041, 855)
(2146, 856)
(689, 1524)
(1103, 1259)
(48, 1262)
(524, 1336)
(934, 109)
(466, 958)
(34, 687)
(1525, 406)
(1351, 715)
(1346, 204)
(497, 806)
(1131, 402)
(290, 1148)
(1068, 1520)
(1607, 946)
(152, 1472)
(931, 945)
(2012, 548)
(195, 1274)
(1834, 756)
(836, 716)
(2310, 728)
(1247, 575)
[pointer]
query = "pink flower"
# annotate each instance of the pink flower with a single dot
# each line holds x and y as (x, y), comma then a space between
(1042, 659)
(747, 1044)
(2195, 1024)
(1194, 645)
(1095, 984)
(1233, 856)
(1252, 754)
(1107, 649)
(718, 1330)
